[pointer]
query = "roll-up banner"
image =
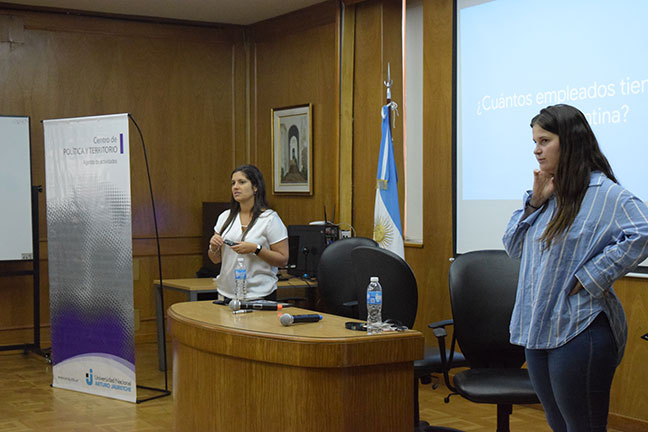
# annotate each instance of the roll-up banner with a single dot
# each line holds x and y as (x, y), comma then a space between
(89, 239)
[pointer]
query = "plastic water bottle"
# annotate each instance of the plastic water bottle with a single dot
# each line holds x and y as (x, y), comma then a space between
(374, 306)
(240, 279)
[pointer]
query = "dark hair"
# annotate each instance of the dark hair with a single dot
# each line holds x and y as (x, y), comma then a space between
(260, 203)
(579, 156)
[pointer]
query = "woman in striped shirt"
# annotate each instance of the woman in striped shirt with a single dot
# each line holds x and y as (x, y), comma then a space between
(577, 233)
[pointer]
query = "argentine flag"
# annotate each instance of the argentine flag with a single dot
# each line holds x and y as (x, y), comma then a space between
(387, 223)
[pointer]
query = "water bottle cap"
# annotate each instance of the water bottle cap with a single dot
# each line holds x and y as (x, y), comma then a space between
(373, 279)
(240, 258)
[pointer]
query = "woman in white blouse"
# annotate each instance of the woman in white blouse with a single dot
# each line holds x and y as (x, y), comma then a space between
(255, 232)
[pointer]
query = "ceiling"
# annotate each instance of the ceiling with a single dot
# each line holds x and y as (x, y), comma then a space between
(242, 12)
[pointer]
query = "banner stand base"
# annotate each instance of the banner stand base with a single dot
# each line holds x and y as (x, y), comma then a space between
(27, 348)
(162, 391)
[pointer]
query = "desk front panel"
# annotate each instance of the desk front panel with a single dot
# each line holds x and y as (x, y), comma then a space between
(213, 392)
(247, 372)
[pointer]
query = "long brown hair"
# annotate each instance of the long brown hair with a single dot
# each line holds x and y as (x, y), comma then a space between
(260, 202)
(579, 156)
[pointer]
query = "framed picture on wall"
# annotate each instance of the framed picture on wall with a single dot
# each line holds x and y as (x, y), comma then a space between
(292, 150)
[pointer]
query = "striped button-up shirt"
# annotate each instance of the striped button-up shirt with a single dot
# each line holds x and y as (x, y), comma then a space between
(608, 238)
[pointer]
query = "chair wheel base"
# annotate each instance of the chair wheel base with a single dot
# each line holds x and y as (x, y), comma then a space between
(439, 429)
(424, 426)
(421, 426)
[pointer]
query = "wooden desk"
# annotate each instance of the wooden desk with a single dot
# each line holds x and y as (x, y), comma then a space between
(196, 286)
(247, 372)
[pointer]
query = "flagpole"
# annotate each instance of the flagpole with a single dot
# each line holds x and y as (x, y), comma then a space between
(388, 84)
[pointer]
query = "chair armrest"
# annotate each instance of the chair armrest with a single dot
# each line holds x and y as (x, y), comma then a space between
(440, 333)
(441, 324)
(446, 362)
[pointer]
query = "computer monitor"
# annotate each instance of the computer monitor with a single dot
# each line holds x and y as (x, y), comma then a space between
(210, 213)
(306, 244)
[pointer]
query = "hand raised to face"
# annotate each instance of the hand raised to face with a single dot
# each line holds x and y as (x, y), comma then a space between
(543, 187)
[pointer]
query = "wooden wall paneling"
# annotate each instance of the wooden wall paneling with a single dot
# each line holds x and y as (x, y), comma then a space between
(240, 109)
(16, 321)
(347, 65)
(372, 40)
(136, 68)
(431, 263)
(352, 2)
(11, 30)
(174, 267)
(16, 308)
(188, 144)
(337, 108)
(51, 71)
(628, 399)
(81, 22)
(296, 22)
(180, 83)
(367, 98)
(393, 54)
(378, 39)
(296, 68)
(16, 290)
(254, 113)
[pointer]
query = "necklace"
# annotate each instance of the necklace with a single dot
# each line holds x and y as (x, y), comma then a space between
(244, 226)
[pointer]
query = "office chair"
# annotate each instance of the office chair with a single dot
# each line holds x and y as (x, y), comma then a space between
(335, 276)
(400, 303)
(483, 286)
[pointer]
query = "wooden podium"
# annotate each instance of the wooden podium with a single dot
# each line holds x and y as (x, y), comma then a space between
(247, 372)
(193, 287)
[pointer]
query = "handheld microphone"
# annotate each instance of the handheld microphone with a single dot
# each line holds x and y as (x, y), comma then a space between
(287, 319)
(258, 306)
(235, 305)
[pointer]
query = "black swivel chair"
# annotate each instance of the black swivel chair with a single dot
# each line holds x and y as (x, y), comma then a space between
(400, 302)
(483, 285)
(335, 276)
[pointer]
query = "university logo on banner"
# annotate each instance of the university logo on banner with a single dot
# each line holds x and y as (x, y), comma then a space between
(87, 169)
(387, 222)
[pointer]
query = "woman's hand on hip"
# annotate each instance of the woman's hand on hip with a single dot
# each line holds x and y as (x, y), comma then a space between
(576, 289)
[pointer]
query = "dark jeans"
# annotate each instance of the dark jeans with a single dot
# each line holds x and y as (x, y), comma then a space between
(573, 381)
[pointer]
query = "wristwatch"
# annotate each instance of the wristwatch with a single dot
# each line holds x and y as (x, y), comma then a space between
(258, 249)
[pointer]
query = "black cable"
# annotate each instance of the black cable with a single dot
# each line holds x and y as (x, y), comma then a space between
(159, 255)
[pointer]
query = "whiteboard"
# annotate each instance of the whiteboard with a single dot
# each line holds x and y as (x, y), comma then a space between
(15, 189)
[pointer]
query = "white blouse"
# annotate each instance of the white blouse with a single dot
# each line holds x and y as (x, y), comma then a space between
(261, 276)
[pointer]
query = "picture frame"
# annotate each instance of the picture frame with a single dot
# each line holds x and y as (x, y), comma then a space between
(292, 150)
